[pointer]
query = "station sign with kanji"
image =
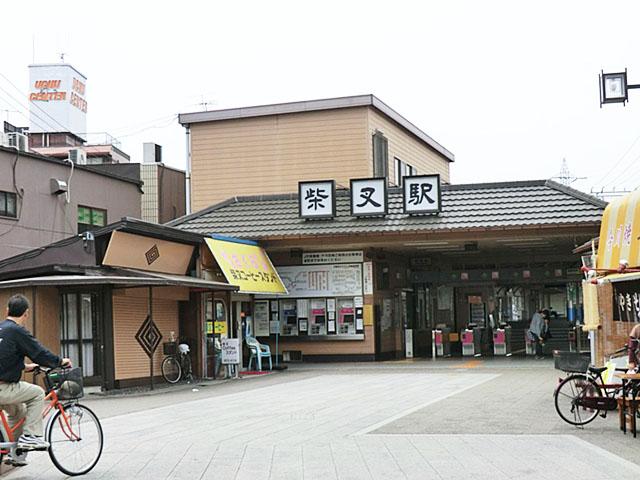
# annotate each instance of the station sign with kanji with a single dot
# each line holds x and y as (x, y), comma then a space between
(317, 199)
(368, 197)
(421, 194)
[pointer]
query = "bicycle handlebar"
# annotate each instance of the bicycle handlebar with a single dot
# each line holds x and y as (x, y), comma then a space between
(621, 350)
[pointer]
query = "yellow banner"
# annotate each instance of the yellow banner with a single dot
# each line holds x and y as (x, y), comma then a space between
(591, 315)
(246, 266)
(619, 233)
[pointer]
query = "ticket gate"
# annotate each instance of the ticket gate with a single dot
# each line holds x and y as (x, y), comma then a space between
(502, 341)
(472, 341)
(441, 346)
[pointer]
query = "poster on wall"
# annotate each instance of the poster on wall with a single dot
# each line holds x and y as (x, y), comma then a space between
(387, 313)
(367, 278)
(322, 280)
(261, 318)
(445, 297)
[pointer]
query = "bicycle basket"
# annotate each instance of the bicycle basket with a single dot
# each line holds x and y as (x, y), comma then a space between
(571, 361)
(169, 348)
(68, 384)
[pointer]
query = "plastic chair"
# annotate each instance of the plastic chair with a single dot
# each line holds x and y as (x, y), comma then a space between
(258, 351)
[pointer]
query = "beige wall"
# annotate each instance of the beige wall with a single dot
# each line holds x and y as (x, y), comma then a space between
(406, 147)
(267, 155)
(129, 311)
(271, 154)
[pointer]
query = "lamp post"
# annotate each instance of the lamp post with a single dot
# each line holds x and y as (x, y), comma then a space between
(614, 87)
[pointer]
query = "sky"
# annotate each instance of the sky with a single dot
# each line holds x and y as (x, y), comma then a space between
(510, 87)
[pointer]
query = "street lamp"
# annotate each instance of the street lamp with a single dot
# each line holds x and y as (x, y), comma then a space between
(614, 87)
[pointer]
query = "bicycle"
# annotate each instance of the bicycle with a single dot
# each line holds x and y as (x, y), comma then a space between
(580, 397)
(177, 363)
(72, 430)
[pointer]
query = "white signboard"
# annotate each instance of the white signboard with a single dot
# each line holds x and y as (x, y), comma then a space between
(368, 278)
(261, 318)
(323, 258)
(322, 280)
(230, 351)
(57, 99)
(421, 194)
(368, 197)
(317, 199)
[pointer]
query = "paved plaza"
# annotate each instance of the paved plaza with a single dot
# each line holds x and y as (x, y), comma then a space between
(420, 420)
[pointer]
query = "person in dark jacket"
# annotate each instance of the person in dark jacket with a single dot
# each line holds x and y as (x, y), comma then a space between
(634, 347)
(18, 398)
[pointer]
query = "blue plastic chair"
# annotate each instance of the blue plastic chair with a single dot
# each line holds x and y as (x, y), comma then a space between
(258, 352)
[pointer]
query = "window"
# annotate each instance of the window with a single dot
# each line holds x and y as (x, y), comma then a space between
(403, 170)
(80, 338)
(8, 204)
(380, 155)
(89, 217)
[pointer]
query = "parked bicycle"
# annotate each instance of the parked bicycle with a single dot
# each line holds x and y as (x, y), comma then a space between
(72, 430)
(177, 363)
(583, 395)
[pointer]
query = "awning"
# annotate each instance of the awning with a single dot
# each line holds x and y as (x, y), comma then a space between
(155, 280)
(619, 233)
(247, 265)
(621, 277)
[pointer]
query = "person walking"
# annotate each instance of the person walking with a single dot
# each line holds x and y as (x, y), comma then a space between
(18, 398)
(536, 330)
(634, 348)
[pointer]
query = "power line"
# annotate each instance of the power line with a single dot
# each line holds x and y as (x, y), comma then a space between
(37, 124)
(19, 104)
(619, 160)
(64, 129)
(623, 172)
(173, 117)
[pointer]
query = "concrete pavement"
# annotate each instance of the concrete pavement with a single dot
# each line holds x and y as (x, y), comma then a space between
(448, 420)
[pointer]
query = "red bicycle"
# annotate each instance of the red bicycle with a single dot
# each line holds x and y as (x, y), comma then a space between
(72, 430)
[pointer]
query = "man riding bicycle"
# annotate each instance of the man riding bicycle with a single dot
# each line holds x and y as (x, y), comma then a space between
(18, 398)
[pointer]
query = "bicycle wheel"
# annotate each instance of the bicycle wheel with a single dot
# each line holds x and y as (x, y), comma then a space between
(76, 439)
(568, 395)
(171, 370)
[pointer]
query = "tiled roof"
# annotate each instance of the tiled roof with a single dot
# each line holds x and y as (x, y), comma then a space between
(464, 207)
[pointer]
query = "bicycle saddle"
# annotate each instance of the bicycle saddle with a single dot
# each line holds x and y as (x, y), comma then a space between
(597, 369)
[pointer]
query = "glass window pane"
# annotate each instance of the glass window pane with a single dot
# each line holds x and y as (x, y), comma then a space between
(220, 314)
(86, 312)
(87, 359)
(11, 204)
(73, 351)
(98, 218)
(70, 318)
(3, 203)
(84, 215)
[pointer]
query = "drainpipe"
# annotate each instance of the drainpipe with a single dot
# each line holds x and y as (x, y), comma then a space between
(188, 172)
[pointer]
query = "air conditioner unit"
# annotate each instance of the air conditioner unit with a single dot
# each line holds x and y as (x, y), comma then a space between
(78, 156)
(18, 141)
(4, 141)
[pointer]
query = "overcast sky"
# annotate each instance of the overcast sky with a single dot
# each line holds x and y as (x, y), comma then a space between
(511, 88)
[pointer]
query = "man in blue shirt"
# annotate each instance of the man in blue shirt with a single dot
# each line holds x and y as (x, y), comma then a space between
(18, 398)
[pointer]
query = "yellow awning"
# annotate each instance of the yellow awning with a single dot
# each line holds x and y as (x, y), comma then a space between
(621, 277)
(247, 266)
(619, 233)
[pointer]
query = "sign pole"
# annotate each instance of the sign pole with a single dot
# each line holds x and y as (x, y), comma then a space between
(151, 320)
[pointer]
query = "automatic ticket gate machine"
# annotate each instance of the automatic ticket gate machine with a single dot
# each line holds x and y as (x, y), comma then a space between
(502, 341)
(440, 343)
(472, 339)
